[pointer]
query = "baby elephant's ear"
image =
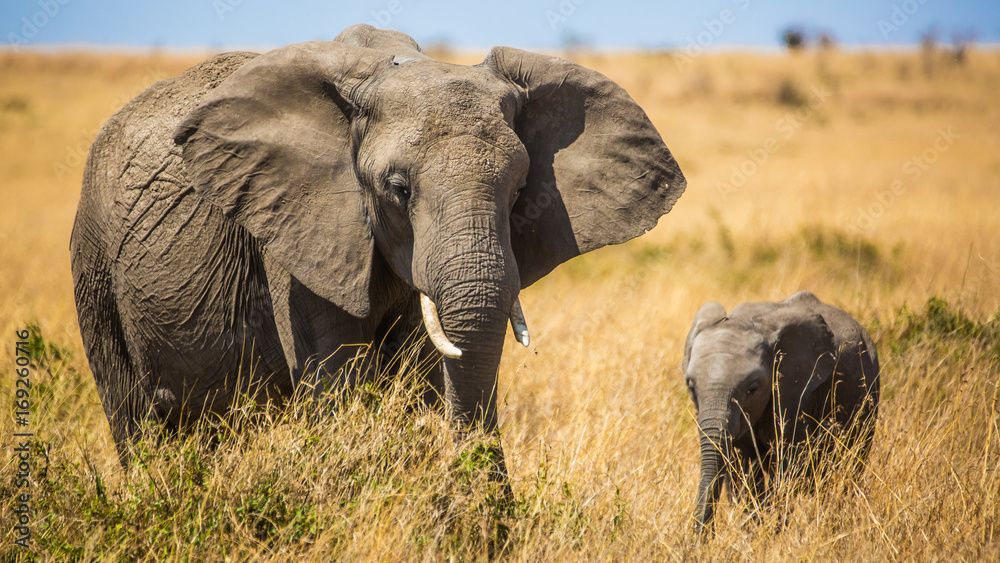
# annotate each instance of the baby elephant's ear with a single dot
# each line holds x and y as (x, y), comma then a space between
(599, 173)
(805, 354)
(710, 314)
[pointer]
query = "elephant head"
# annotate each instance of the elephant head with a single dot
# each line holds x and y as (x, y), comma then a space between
(748, 372)
(468, 183)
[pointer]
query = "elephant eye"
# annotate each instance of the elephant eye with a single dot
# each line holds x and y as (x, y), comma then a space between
(752, 388)
(397, 184)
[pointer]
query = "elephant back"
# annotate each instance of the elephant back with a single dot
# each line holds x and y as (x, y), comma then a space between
(135, 145)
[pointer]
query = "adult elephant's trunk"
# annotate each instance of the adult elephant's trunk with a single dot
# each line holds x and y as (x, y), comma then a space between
(714, 451)
(470, 282)
(474, 315)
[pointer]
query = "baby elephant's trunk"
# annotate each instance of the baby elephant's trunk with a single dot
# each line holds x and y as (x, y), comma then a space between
(714, 448)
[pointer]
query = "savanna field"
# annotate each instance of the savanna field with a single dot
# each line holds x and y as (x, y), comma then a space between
(871, 179)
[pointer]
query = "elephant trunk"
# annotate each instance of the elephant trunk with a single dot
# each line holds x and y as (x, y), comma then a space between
(470, 275)
(715, 443)
(476, 324)
(471, 281)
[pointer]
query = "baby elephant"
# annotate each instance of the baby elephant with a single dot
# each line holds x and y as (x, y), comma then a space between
(767, 376)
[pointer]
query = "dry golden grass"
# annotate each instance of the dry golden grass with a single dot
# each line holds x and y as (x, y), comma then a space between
(597, 426)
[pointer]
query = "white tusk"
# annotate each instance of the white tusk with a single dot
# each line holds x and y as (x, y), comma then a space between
(434, 329)
(518, 323)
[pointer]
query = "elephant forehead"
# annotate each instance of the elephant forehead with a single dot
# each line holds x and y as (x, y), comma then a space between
(489, 159)
(439, 100)
(727, 350)
(434, 78)
(726, 337)
(450, 119)
(432, 124)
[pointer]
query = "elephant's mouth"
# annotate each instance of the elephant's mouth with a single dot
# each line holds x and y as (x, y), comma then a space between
(445, 346)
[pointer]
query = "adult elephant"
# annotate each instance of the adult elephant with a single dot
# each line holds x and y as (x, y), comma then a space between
(242, 222)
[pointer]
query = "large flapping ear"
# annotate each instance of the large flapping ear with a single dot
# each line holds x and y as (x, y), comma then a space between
(710, 314)
(600, 173)
(805, 354)
(271, 147)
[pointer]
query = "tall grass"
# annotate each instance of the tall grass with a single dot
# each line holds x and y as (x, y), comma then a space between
(599, 433)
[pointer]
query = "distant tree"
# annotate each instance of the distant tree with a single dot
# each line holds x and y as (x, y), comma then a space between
(793, 38)
(572, 41)
(960, 42)
(826, 40)
(827, 43)
(929, 39)
(928, 47)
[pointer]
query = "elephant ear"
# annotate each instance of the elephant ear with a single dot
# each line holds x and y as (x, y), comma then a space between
(600, 174)
(805, 355)
(271, 146)
(710, 314)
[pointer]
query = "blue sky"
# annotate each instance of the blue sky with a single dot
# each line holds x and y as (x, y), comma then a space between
(219, 24)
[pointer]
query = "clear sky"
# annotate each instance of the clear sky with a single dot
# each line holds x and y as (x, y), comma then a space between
(219, 24)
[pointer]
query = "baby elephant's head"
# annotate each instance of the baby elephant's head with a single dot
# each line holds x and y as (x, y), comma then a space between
(729, 378)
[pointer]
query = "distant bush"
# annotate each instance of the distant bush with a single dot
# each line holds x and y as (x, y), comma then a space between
(790, 95)
(940, 320)
(14, 104)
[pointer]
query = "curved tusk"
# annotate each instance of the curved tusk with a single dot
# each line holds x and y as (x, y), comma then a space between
(518, 323)
(434, 329)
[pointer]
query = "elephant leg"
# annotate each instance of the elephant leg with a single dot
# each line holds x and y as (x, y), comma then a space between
(324, 345)
(855, 396)
(750, 485)
(126, 397)
(316, 335)
(434, 395)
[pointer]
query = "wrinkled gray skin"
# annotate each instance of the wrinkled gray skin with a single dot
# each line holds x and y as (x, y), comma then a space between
(827, 370)
(249, 217)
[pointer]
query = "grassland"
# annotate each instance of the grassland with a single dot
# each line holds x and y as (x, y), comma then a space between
(870, 179)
